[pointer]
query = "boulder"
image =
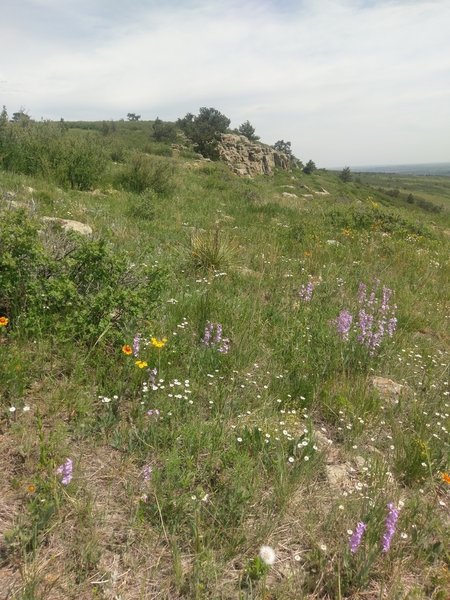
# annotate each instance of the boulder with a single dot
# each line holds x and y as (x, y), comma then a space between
(69, 225)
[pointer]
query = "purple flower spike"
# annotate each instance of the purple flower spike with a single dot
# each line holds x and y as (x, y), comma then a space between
(147, 473)
(391, 525)
(66, 471)
(356, 538)
(343, 323)
(306, 291)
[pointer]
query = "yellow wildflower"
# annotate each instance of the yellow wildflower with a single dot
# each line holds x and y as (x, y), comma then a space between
(4, 321)
(158, 343)
(31, 488)
(141, 364)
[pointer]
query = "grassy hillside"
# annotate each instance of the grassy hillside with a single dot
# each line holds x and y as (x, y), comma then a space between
(203, 377)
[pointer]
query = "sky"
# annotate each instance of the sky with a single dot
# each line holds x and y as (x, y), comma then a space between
(348, 82)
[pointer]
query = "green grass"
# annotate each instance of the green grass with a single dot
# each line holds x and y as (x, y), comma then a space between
(237, 441)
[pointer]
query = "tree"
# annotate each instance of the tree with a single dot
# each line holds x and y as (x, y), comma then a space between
(285, 147)
(310, 167)
(163, 131)
(21, 117)
(133, 117)
(205, 129)
(248, 130)
(346, 175)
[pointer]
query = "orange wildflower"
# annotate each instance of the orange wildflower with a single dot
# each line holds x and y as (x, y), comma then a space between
(4, 321)
(445, 477)
(127, 349)
(31, 488)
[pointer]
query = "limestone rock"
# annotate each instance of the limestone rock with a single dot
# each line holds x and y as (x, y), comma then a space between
(247, 159)
(69, 225)
(388, 389)
(338, 476)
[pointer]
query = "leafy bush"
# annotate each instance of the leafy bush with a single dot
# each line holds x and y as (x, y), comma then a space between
(83, 291)
(143, 173)
(142, 207)
(164, 131)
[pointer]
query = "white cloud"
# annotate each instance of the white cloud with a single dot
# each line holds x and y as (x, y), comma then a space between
(345, 81)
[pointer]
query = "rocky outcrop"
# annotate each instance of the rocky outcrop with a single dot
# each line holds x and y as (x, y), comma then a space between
(248, 158)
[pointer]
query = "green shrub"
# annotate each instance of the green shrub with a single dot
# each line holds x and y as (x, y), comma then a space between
(48, 150)
(142, 206)
(85, 291)
(143, 173)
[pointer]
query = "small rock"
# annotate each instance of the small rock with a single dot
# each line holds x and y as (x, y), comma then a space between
(289, 195)
(338, 476)
(69, 225)
(388, 389)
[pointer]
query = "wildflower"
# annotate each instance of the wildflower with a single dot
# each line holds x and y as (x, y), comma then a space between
(127, 349)
(147, 473)
(4, 321)
(356, 537)
(31, 488)
(136, 344)
(66, 471)
(158, 343)
(267, 555)
(141, 364)
(213, 337)
(306, 291)
(445, 478)
(153, 412)
(391, 524)
(343, 323)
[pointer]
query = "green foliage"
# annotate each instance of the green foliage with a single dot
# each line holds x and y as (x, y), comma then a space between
(346, 175)
(248, 130)
(282, 146)
(142, 205)
(164, 131)
(212, 250)
(204, 130)
(85, 292)
(47, 150)
(310, 167)
(142, 173)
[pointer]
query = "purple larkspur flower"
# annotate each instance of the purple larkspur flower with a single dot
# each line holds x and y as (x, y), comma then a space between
(306, 291)
(213, 337)
(343, 323)
(356, 537)
(391, 526)
(208, 333)
(362, 291)
(146, 473)
(66, 471)
(392, 326)
(387, 293)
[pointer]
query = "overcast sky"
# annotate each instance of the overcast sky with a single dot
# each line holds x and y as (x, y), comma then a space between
(348, 82)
